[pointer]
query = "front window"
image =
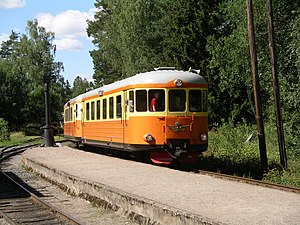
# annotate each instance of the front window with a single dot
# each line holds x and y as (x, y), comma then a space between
(177, 101)
(141, 100)
(195, 97)
(156, 100)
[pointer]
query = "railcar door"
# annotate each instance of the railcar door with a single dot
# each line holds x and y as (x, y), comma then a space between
(78, 120)
(128, 108)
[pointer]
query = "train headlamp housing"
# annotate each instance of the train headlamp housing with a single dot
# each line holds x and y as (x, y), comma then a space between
(148, 137)
(203, 137)
(178, 82)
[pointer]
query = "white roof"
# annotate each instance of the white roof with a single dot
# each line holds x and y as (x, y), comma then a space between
(153, 77)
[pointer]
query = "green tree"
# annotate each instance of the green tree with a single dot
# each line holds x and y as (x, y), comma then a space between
(27, 60)
(81, 86)
(7, 46)
(12, 95)
(4, 133)
(136, 36)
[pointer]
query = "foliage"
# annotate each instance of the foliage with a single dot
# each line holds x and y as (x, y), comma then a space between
(136, 36)
(12, 94)
(4, 133)
(27, 60)
(81, 86)
(230, 153)
(133, 37)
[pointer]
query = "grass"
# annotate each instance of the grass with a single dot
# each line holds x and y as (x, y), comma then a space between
(19, 138)
(229, 153)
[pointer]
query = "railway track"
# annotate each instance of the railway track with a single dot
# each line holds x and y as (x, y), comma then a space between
(250, 181)
(7, 152)
(19, 206)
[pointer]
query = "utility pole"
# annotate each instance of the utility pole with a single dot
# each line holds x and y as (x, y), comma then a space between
(48, 128)
(280, 133)
(255, 78)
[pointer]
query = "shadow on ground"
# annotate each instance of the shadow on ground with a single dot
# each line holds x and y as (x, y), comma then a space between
(250, 168)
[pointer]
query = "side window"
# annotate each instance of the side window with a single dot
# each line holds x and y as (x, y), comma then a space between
(93, 110)
(98, 110)
(104, 110)
(141, 100)
(131, 101)
(156, 100)
(76, 111)
(204, 104)
(195, 100)
(87, 111)
(177, 100)
(66, 115)
(111, 107)
(119, 106)
(71, 114)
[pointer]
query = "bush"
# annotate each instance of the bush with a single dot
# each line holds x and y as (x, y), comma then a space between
(229, 153)
(4, 132)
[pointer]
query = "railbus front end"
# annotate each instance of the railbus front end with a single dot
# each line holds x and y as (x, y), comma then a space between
(176, 130)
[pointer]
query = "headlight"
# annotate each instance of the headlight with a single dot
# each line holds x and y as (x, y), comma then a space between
(148, 137)
(203, 137)
(178, 82)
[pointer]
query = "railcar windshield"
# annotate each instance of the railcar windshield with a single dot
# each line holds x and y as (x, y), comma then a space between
(152, 100)
(141, 101)
(177, 101)
(195, 97)
(156, 100)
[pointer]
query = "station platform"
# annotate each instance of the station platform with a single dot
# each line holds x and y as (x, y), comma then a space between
(158, 195)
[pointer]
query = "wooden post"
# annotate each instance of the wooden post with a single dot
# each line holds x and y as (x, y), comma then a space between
(280, 133)
(255, 78)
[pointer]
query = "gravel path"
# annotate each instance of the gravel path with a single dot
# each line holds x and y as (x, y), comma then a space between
(78, 208)
(221, 200)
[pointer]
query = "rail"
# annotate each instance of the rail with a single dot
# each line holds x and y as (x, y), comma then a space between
(9, 151)
(249, 181)
(20, 206)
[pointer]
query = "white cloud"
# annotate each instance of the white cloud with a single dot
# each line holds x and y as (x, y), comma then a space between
(68, 27)
(3, 37)
(11, 4)
(68, 44)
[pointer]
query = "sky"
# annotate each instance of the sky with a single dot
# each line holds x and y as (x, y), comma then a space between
(66, 18)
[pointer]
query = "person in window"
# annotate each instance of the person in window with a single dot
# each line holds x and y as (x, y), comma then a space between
(154, 102)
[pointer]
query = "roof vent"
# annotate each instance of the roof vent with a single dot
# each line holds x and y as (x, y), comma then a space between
(194, 71)
(164, 68)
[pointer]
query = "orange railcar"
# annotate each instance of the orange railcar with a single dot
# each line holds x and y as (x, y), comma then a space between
(122, 115)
